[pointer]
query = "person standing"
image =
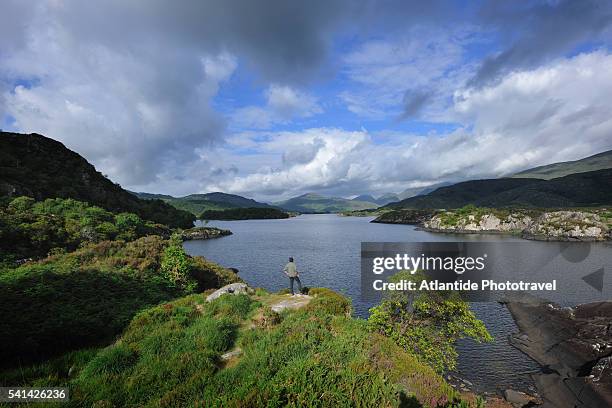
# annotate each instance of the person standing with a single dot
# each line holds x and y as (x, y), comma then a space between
(292, 273)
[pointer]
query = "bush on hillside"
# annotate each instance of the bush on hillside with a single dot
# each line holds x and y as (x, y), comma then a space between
(31, 229)
(88, 296)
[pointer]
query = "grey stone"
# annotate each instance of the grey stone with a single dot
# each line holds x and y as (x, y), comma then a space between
(232, 288)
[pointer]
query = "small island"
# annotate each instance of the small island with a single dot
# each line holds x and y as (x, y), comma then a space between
(593, 224)
(234, 214)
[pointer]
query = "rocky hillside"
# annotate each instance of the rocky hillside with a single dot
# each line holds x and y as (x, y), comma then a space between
(37, 166)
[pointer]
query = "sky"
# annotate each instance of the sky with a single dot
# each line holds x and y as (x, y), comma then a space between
(274, 98)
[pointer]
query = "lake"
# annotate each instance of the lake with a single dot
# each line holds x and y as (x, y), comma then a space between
(327, 247)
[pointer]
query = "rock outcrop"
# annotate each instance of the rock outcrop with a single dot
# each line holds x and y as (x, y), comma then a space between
(512, 222)
(232, 288)
(574, 347)
(204, 233)
(296, 302)
(547, 226)
(568, 226)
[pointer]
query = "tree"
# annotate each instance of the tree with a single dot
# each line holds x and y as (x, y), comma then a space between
(427, 324)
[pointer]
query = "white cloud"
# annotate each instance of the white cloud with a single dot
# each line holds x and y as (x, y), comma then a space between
(134, 114)
(283, 104)
(554, 113)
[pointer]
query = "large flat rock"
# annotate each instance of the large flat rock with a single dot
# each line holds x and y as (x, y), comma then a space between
(296, 302)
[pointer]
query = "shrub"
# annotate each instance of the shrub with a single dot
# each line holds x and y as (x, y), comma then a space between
(427, 324)
(88, 296)
(330, 302)
(175, 264)
(30, 229)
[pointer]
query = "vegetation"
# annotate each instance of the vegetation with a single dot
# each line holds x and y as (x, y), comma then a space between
(170, 355)
(36, 166)
(404, 216)
(30, 229)
(86, 297)
(427, 324)
(244, 214)
(589, 189)
(198, 203)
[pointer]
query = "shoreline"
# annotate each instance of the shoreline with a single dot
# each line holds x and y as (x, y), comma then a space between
(573, 347)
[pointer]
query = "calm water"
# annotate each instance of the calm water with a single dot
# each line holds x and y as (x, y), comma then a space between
(327, 251)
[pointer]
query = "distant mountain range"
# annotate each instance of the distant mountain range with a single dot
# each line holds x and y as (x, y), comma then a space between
(316, 203)
(382, 200)
(37, 166)
(198, 203)
(599, 161)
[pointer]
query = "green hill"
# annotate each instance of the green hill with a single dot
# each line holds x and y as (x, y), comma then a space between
(575, 190)
(237, 352)
(597, 162)
(198, 203)
(315, 203)
(37, 166)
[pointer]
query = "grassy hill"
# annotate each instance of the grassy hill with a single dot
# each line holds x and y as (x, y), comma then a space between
(597, 162)
(119, 265)
(37, 166)
(315, 203)
(198, 203)
(317, 356)
(575, 190)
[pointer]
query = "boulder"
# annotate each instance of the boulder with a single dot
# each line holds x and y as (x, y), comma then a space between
(291, 303)
(232, 288)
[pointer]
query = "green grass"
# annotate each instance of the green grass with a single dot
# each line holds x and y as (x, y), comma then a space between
(170, 356)
(88, 296)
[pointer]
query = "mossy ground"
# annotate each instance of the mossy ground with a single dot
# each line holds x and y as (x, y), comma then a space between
(316, 356)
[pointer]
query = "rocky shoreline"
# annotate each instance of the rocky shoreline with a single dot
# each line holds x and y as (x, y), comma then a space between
(574, 225)
(200, 233)
(573, 346)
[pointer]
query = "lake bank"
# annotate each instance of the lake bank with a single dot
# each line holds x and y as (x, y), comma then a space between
(573, 346)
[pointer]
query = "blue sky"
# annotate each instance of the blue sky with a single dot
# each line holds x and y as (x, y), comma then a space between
(276, 98)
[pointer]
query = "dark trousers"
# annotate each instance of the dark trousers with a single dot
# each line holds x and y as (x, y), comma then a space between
(297, 279)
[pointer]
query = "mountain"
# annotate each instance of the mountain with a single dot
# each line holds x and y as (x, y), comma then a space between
(315, 203)
(382, 200)
(575, 190)
(417, 191)
(387, 198)
(37, 166)
(198, 203)
(364, 197)
(597, 162)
